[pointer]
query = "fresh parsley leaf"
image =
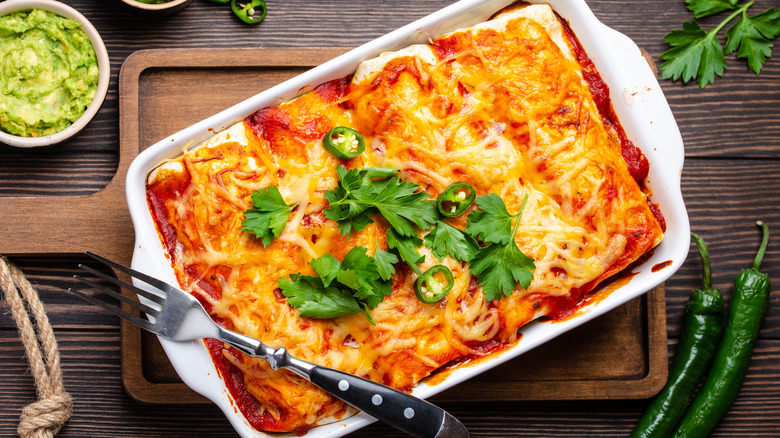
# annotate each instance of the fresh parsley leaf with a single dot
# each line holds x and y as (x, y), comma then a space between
(445, 239)
(268, 215)
(406, 248)
(385, 262)
(360, 272)
(703, 8)
(493, 223)
(307, 294)
(499, 267)
(361, 193)
(695, 54)
(752, 36)
(327, 267)
(328, 294)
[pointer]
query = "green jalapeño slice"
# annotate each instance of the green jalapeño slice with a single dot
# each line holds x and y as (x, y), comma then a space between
(344, 143)
(434, 284)
(250, 12)
(456, 199)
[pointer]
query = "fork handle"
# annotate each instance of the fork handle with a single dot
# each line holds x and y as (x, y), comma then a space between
(399, 409)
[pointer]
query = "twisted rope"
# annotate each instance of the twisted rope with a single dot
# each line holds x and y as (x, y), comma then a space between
(45, 417)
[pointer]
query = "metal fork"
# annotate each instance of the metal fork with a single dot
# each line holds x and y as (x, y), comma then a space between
(177, 315)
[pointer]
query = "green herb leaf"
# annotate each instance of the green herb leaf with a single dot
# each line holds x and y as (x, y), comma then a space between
(499, 267)
(268, 215)
(703, 8)
(695, 54)
(327, 295)
(360, 273)
(493, 223)
(327, 267)
(406, 248)
(752, 37)
(501, 264)
(445, 239)
(307, 294)
(362, 193)
(385, 262)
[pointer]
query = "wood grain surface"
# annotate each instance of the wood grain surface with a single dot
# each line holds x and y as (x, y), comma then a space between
(730, 129)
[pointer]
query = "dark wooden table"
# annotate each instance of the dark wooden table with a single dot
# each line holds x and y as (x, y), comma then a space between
(732, 136)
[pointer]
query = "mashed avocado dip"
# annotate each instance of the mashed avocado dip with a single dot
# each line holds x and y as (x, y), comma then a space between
(48, 73)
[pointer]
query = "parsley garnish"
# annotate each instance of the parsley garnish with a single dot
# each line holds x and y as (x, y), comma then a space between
(356, 284)
(361, 193)
(696, 54)
(384, 262)
(500, 265)
(406, 248)
(307, 294)
(444, 239)
(493, 223)
(268, 215)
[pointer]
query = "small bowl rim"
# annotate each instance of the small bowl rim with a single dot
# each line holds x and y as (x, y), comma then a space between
(104, 71)
(153, 6)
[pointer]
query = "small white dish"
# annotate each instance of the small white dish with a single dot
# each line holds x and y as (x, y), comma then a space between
(160, 9)
(104, 71)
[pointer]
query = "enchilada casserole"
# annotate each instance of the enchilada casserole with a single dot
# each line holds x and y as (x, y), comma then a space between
(512, 107)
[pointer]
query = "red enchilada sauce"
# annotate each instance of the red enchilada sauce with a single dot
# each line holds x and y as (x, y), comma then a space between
(268, 123)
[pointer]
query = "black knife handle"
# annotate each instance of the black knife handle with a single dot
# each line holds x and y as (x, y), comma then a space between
(399, 409)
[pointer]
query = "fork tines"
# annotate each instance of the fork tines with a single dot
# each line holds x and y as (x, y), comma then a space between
(158, 298)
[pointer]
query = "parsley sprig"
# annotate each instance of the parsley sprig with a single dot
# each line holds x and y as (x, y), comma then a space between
(362, 193)
(500, 265)
(268, 215)
(356, 284)
(696, 54)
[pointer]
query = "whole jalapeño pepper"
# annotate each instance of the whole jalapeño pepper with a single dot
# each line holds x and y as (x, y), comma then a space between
(698, 342)
(251, 12)
(748, 307)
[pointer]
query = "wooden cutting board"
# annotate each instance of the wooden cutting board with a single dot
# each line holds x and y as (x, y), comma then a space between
(621, 355)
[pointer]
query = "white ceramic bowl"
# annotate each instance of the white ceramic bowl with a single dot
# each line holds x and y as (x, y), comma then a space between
(636, 97)
(104, 71)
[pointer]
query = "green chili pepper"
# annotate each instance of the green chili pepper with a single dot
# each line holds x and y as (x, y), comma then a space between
(344, 143)
(251, 12)
(698, 342)
(456, 199)
(434, 284)
(748, 307)
(220, 1)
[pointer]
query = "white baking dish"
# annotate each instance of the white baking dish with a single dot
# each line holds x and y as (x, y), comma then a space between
(636, 97)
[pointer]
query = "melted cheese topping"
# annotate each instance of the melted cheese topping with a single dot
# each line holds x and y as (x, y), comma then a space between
(502, 106)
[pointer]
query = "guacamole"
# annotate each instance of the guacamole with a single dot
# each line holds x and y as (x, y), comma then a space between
(49, 73)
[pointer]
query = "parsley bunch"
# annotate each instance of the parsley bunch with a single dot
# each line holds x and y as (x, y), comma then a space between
(360, 282)
(499, 265)
(356, 284)
(696, 54)
(362, 193)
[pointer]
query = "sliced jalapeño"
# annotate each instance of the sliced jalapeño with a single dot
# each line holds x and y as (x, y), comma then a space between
(434, 284)
(250, 12)
(456, 199)
(344, 143)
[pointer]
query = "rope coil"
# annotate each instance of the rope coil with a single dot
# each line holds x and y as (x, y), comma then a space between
(45, 417)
